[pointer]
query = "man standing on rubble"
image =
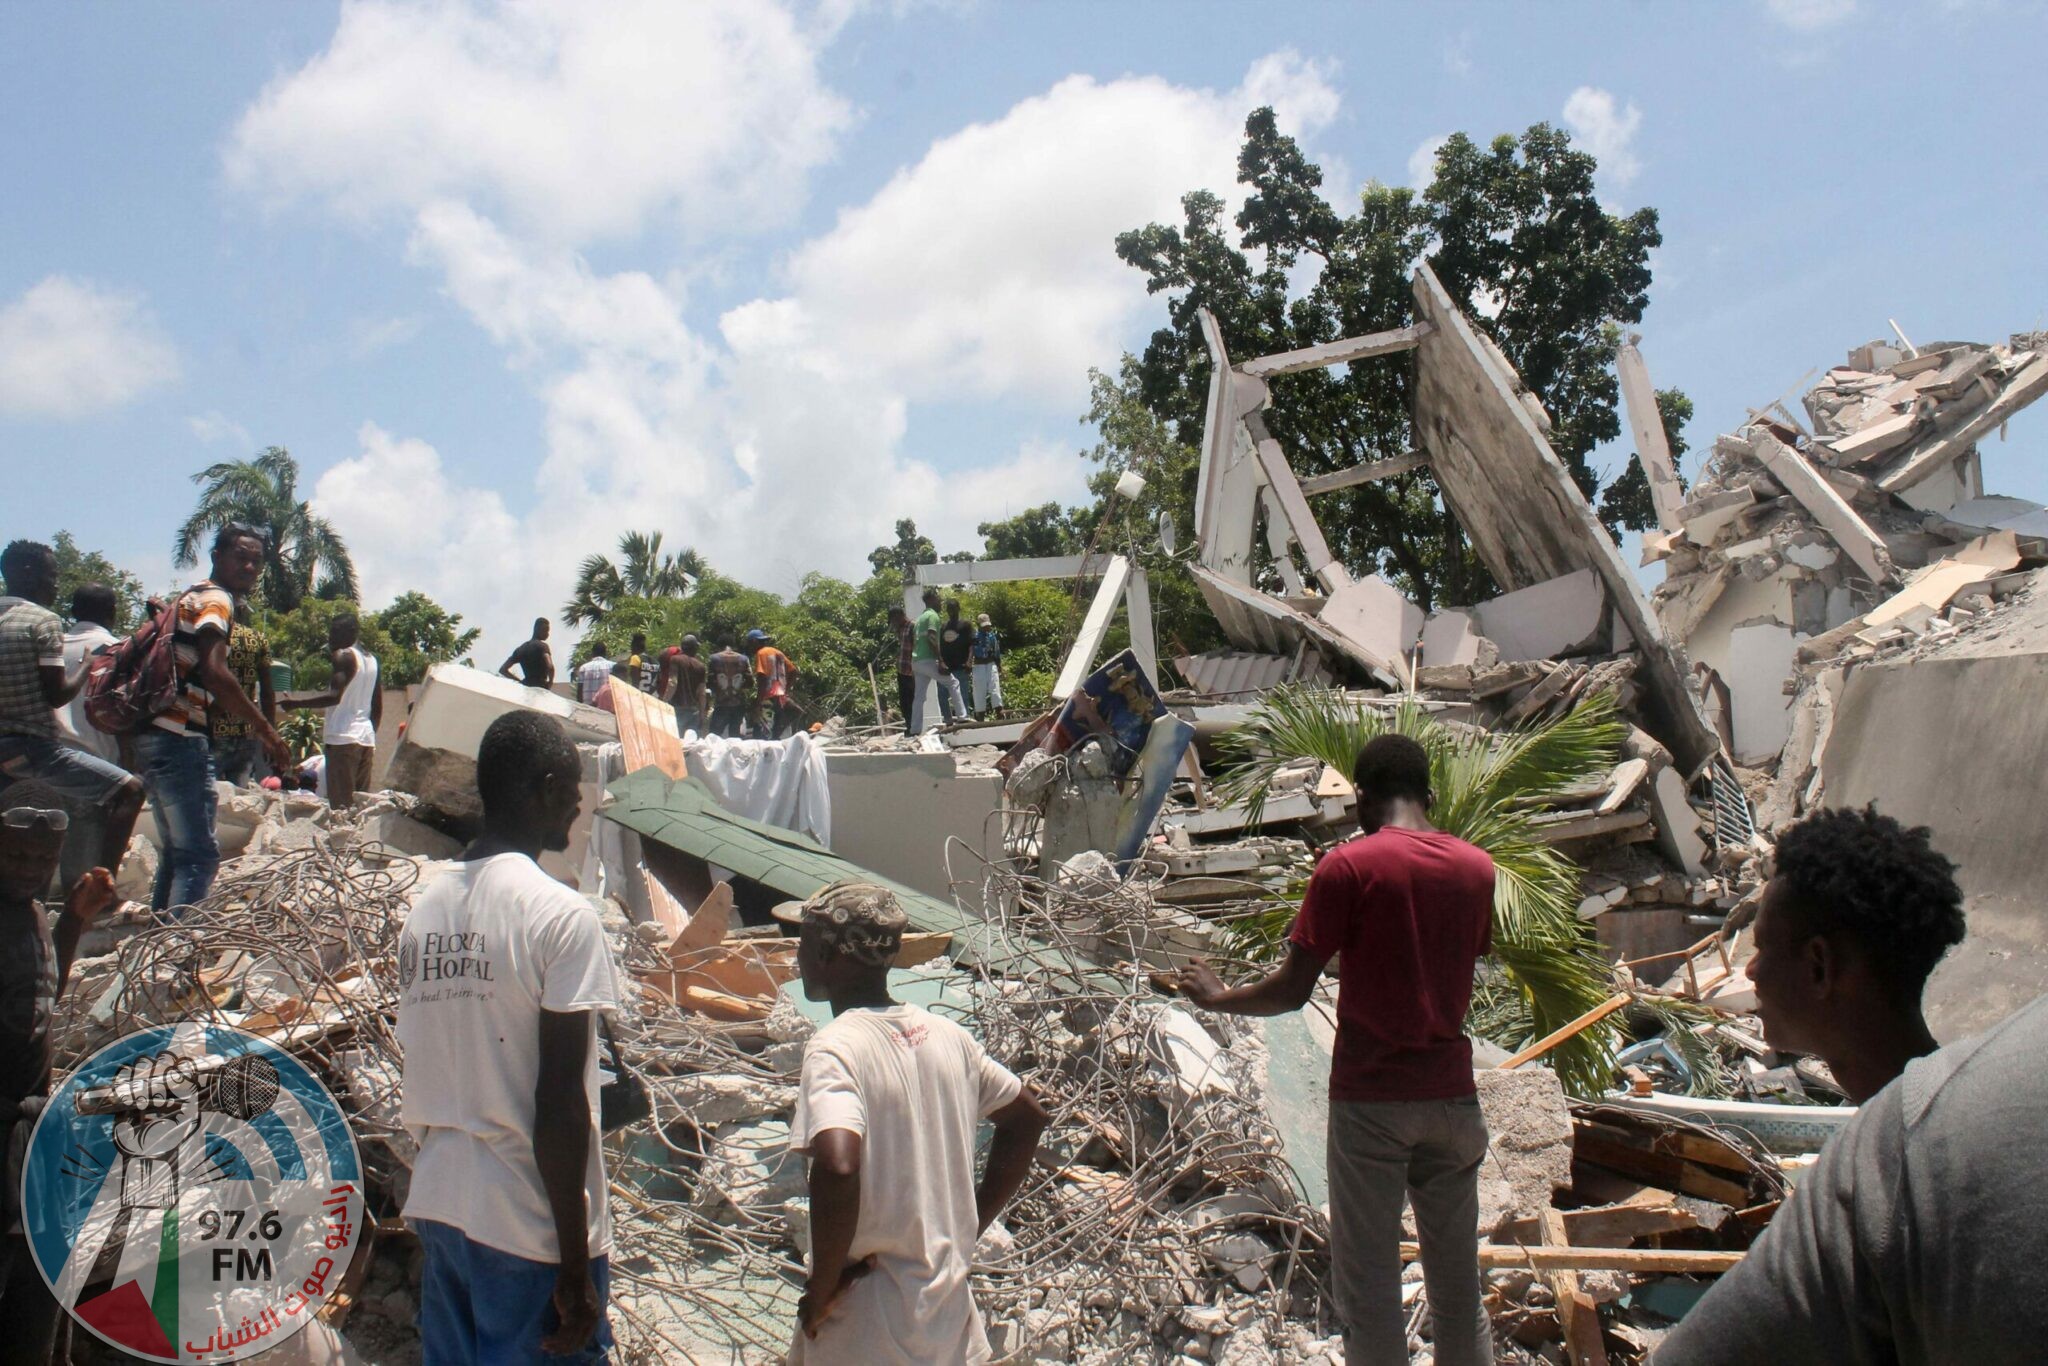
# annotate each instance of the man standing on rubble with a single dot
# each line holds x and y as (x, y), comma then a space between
(502, 975)
(35, 962)
(887, 1112)
(594, 674)
(1408, 912)
(236, 755)
(928, 669)
(774, 673)
(356, 709)
(175, 751)
(34, 682)
(906, 668)
(732, 689)
(988, 665)
(684, 682)
(534, 660)
(956, 652)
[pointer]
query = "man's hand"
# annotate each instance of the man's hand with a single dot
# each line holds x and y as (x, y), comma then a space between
(817, 1302)
(576, 1301)
(274, 747)
(91, 894)
(1197, 982)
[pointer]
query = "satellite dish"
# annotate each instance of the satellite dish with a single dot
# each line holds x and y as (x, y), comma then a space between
(1169, 535)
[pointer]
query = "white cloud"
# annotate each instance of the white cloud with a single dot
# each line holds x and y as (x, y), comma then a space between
(214, 426)
(573, 121)
(69, 348)
(988, 268)
(368, 336)
(1809, 15)
(1422, 161)
(778, 443)
(408, 526)
(1607, 128)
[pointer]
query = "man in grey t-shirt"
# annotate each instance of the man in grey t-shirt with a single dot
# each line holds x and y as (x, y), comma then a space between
(1920, 1235)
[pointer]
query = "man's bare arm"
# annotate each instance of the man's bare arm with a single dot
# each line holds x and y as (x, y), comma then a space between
(1018, 1126)
(1284, 989)
(561, 1151)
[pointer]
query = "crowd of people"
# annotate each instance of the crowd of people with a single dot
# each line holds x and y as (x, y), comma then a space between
(745, 688)
(936, 653)
(203, 707)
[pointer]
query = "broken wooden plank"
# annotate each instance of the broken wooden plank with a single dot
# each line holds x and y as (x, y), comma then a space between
(1606, 1146)
(1558, 1036)
(1932, 455)
(1647, 1214)
(1340, 352)
(1366, 473)
(1577, 1315)
(1819, 498)
(1560, 1256)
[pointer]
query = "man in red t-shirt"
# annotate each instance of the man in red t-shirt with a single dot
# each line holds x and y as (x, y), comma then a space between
(1408, 910)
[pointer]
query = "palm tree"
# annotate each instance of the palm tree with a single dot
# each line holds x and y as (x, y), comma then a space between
(642, 572)
(304, 554)
(1487, 786)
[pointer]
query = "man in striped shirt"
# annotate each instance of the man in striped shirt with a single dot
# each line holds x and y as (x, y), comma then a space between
(175, 751)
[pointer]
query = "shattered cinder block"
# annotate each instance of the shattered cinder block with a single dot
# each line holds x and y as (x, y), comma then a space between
(1530, 1153)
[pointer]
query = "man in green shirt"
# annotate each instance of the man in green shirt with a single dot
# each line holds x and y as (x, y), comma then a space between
(928, 670)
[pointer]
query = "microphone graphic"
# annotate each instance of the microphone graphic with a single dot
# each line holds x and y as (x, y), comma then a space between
(242, 1087)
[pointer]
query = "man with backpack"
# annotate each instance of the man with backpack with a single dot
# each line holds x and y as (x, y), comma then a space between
(34, 682)
(173, 746)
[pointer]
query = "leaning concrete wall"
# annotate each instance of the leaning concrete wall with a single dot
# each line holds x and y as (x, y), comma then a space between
(1961, 745)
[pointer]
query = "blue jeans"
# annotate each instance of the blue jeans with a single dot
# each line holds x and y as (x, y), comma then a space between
(483, 1307)
(178, 771)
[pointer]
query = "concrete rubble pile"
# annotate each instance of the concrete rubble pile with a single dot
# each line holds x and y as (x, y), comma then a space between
(1850, 537)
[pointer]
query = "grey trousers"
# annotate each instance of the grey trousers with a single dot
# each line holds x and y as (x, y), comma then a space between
(1430, 1151)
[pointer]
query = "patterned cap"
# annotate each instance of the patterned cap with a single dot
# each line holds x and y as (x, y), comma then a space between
(861, 920)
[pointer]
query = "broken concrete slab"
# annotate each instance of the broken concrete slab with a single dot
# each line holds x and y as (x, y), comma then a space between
(1495, 465)
(437, 759)
(1819, 498)
(1529, 1157)
(1377, 617)
(1546, 620)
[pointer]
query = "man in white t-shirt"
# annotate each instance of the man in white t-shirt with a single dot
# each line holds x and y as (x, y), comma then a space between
(594, 674)
(891, 1098)
(502, 975)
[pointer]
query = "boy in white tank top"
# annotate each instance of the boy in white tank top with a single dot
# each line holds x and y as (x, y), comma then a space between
(356, 707)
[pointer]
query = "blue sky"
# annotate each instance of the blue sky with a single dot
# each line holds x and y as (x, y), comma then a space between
(510, 280)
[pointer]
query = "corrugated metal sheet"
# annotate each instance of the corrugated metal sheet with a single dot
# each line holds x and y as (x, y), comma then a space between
(1237, 673)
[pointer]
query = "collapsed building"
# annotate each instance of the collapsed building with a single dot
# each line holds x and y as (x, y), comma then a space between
(1834, 590)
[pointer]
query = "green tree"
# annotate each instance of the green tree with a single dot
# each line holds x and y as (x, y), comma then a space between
(1035, 533)
(642, 571)
(1625, 501)
(910, 551)
(1514, 228)
(76, 568)
(1488, 788)
(422, 633)
(304, 556)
